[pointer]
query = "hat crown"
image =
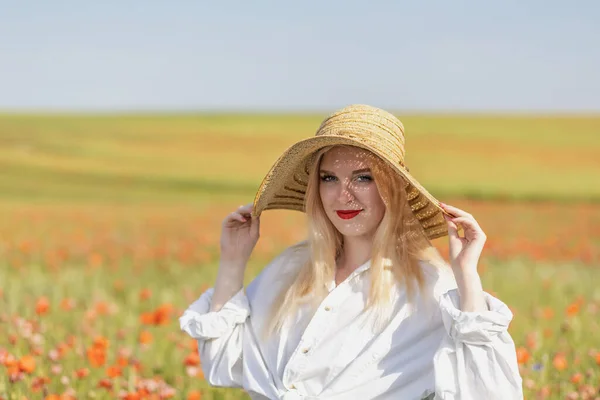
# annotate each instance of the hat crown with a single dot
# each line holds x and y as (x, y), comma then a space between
(370, 125)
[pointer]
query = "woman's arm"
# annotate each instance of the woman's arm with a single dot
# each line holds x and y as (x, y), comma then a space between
(217, 319)
(477, 358)
(239, 234)
(230, 280)
(220, 336)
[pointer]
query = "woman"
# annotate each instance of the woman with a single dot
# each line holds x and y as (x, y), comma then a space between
(365, 307)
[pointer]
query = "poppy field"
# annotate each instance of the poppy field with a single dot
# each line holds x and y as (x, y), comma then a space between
(109, 228)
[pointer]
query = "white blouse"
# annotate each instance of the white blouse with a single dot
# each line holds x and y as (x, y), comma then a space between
(439, 352)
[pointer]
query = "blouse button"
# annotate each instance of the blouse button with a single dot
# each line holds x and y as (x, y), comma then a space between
(327, 308)
(305, 350)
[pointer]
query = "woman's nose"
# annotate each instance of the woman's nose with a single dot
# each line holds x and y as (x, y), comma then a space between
(346, 193)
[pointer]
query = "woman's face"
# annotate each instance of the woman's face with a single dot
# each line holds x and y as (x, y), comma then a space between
(347, 184)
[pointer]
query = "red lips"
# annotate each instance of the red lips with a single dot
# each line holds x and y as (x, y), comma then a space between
(348, 214)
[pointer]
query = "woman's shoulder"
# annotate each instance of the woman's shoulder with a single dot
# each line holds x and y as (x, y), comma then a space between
(290, 258)
(299, 249)
(438, 276)
(285, 264)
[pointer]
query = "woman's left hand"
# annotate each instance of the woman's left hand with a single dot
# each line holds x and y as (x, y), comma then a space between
(464, 251)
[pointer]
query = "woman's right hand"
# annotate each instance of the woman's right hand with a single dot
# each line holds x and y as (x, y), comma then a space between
(240, 233)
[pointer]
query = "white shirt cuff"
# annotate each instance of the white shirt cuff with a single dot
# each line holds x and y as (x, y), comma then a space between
(200, 323)
(474, 327)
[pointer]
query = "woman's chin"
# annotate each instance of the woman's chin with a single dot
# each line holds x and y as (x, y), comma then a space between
(348, 230)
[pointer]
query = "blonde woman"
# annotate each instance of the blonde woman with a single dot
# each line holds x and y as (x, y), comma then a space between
(365, 307)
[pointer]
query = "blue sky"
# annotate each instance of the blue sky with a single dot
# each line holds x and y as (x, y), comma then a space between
(311, 55)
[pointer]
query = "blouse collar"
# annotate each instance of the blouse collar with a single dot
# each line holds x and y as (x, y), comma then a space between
(359, 270)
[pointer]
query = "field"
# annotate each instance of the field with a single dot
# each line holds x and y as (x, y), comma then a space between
(109, 228)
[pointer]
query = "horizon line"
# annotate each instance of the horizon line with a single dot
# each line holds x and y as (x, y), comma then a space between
(290, 112)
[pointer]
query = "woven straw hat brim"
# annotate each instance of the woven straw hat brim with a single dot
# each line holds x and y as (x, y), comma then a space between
(285, 184)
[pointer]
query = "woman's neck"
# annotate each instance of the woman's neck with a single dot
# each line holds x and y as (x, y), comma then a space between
(355, 252)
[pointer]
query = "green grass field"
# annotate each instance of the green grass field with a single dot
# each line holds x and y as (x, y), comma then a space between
(184, 158)
(109, 228)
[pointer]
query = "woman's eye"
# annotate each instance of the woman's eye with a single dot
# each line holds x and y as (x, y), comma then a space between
(327, 178)
(360, 178)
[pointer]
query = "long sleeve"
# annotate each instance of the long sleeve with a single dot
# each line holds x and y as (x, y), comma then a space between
(220, 336)
(477, 357)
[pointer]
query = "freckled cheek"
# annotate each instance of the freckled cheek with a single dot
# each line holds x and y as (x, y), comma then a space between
(327, 196)
(367, 196)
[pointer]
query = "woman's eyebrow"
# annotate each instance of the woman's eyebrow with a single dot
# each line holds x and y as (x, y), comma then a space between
(358, 171)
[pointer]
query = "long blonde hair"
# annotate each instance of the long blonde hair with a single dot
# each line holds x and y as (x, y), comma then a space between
(398, 244)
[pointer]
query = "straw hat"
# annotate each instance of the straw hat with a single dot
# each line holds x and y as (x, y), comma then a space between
(358, 125)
